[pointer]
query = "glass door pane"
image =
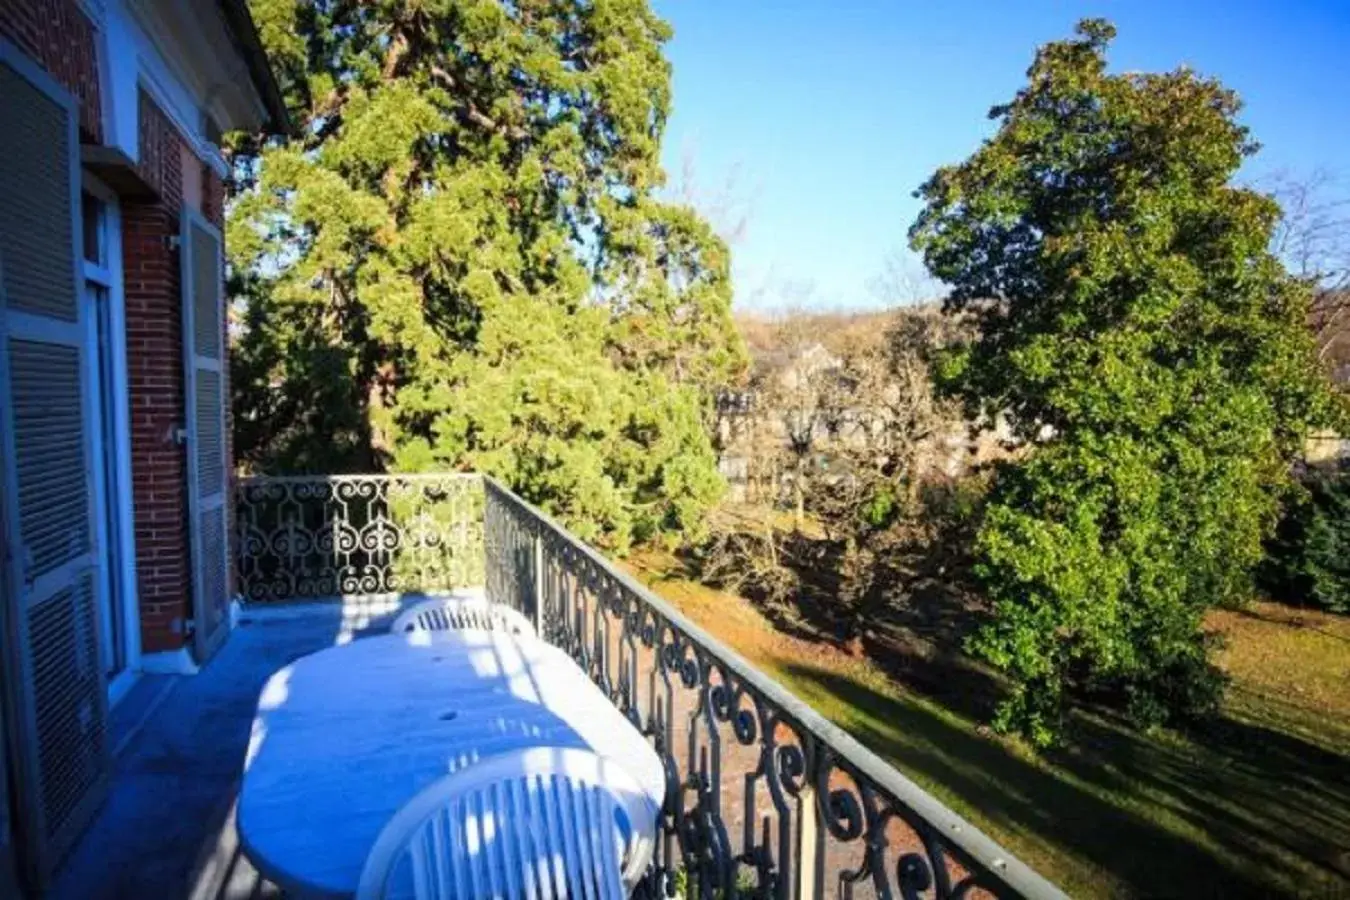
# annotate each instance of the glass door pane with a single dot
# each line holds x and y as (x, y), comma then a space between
(110, 605)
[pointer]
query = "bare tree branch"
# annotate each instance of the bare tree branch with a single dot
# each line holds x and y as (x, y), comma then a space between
(729, 205)
(903, 281)
(1313, 240)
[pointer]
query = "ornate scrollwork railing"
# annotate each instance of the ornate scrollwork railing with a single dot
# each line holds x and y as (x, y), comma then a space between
(357, 535)
(766, 798)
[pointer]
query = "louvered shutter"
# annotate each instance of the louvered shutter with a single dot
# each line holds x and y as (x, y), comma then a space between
(9, 882)
(204, 358)
(58, 700)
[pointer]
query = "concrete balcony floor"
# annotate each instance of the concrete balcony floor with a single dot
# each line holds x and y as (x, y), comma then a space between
(167, 829)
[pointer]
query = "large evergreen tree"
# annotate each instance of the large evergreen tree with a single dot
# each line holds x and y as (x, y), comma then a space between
(462, 259)
(1151, 354)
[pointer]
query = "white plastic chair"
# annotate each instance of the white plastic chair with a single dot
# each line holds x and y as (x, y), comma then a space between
(459, 613)
(547, 823)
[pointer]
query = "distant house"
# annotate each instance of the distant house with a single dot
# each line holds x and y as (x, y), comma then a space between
(804, 400)
(1331, 325)
(114, 443)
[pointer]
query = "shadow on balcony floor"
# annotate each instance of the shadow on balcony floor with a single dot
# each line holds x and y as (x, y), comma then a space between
(166, 830)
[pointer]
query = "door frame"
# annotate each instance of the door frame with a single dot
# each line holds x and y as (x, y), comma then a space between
(119, 498)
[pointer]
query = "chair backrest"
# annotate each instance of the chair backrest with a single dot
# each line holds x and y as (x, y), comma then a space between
(461, 613)
(546, 823)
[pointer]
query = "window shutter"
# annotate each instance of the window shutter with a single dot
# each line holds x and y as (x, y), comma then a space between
(9, 879)
(57, 696)
(207, 474)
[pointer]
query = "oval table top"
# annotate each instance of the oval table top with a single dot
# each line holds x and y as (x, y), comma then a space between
(345, 737)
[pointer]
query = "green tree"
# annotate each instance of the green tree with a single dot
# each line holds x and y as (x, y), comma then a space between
(1150, 354)
(463, 259)
(1308, 558)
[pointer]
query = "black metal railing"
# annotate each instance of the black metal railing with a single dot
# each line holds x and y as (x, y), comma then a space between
(765, 797)
(312, 536)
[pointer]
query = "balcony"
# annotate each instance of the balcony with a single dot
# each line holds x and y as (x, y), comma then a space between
(766, 798)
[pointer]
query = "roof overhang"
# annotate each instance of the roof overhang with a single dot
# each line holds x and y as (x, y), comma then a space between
(212, 48)
(245, 33)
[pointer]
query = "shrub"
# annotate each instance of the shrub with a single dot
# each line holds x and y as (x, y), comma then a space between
(1308, 560)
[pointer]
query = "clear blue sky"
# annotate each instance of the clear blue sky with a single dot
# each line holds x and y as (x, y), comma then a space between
(831, 112)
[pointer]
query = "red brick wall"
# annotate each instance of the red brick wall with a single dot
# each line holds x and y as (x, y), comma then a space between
(60, 38)
(155, 379)
(213, 198)
(155, 374)
(157, 140)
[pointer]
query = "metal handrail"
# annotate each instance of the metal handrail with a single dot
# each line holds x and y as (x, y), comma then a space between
(247, 480)
(972, 848)
(318, 536)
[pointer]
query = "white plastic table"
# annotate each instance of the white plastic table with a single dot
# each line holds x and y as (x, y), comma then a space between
(343, 738)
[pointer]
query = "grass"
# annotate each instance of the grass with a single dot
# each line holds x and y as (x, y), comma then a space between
(1257, 805)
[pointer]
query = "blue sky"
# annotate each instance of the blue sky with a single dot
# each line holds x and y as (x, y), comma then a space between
(824, 115)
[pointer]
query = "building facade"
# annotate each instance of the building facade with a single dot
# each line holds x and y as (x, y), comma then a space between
(114, 435)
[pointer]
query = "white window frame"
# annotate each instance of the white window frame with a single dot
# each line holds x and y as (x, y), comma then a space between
(120, 498)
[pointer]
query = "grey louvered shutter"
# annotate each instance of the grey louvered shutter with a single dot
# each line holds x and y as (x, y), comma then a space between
(58, 700)
(9, 879)
(204, 378)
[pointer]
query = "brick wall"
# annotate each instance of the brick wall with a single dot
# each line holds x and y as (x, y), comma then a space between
(213, 198)
(155, 376)
(60, 38)
(155, 379)
(57, 35)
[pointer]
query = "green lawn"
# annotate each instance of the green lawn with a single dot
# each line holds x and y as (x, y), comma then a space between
(1258, 805)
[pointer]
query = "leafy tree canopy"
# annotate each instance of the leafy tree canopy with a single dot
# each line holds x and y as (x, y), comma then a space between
(1150, 353)
(462, 260)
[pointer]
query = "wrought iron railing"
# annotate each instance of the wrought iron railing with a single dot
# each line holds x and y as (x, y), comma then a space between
(357, 535)
(765, 797)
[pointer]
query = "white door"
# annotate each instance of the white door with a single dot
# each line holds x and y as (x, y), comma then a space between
(204, 377)
(54, 678)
